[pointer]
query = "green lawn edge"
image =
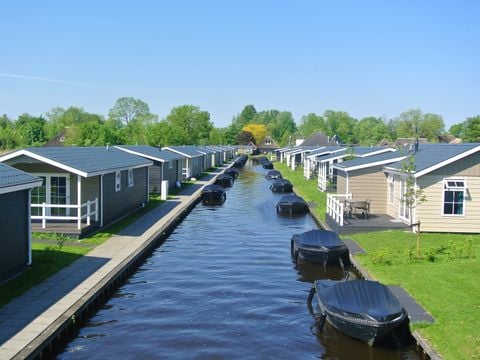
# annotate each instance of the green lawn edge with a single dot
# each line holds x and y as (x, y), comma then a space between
(444, 280)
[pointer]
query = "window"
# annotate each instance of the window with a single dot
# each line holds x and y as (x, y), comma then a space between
(118, 181)
(170, 165)
(130, 177)
(391, 189)
(454, 197)
(404, 210)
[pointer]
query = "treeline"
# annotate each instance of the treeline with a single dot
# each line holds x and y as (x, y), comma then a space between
(130, 121)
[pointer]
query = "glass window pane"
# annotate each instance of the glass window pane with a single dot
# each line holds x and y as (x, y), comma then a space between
(448, 196)
(458, 209)
(447, 209)
(459, 196)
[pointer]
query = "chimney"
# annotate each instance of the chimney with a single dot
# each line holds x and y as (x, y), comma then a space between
(416, 145)
(108, 146)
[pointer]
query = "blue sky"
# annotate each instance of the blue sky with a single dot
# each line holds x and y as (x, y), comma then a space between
(369, 58)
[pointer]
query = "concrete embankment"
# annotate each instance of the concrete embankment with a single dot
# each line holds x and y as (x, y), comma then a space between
(32, 325)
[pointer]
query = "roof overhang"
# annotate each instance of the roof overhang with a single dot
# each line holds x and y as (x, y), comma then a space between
(367, 165)
(447, 162)
(62, 166)
(20, 187)
(141, 154)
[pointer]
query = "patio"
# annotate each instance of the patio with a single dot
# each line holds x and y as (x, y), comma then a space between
(375, 222)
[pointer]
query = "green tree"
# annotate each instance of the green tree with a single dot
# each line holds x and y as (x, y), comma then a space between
(127, 109)
(472, 129)
(31, 129)
(457, 130)
(371, 130)
(281, 124)
(342, 124)
(310, 124)
(189, 125)
(217, 136)
(413, 195)
(244, 138)
(413, 123)
(246, 116)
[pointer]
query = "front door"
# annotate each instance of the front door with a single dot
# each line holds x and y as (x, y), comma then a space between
(54, 190)
(404, 210)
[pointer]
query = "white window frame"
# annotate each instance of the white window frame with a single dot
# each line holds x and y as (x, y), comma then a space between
(118, 181)
(454, 184)
(48, 188)
(391, 189)
(130, 178)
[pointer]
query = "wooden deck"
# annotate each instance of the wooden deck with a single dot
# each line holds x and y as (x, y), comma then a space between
(376, 222)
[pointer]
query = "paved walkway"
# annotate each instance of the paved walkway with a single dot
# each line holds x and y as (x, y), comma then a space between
(25, 321)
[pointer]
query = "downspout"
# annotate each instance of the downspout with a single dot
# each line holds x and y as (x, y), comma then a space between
(101, 200)
(29, 228)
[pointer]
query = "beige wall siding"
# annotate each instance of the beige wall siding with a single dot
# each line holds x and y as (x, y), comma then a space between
(371, 184)
(431, 215)
(341, 182)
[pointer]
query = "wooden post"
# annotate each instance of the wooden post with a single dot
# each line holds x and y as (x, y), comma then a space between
(44, 220)
(88, 212)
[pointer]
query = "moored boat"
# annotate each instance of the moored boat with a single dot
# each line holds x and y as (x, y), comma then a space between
(224, 180)
(281, 185)
(320, 246)
(213, 194)
(363, 309)
(293, 205)
(233, 172)
(273, 174)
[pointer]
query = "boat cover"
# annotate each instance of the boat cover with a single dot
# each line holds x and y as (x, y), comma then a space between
(292, 199)
(319, 238)
(273, 173)
(364, 298)
(213, 188)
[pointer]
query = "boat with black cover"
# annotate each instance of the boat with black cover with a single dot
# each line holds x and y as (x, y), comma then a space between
(233, 172)
(293, 205)
(267, 165)
(320, 246)
(213, 195)
(363, 309)
(224, 180)
(273, 174)
(281, 185)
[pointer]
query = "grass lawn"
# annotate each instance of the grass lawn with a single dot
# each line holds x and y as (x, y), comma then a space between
(307, 189)
(444, 281)
(52, 252)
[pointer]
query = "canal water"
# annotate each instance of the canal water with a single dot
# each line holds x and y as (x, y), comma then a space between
(222, 286)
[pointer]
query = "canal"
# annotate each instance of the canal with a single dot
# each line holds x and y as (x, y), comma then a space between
(223, 285)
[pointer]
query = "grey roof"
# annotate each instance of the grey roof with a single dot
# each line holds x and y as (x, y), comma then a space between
(11, 177)
(365, 150)
(327, 150)
(86, 161)
(360, 162)
(328, 156)
(152, 152)
(431, 155)
(187, 150)
(317, 139)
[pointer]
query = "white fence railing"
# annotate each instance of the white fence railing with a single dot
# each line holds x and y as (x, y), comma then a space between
(88, 213)
(336, 205)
